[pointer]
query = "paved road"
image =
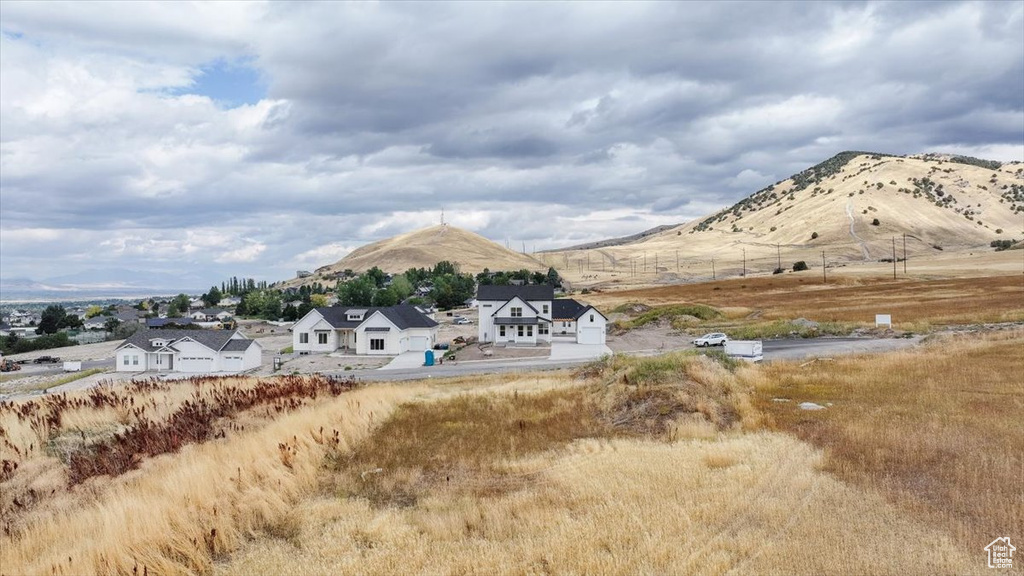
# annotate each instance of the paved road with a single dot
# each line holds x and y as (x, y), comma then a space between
(797, 348)
(31, 369)
(787, 349)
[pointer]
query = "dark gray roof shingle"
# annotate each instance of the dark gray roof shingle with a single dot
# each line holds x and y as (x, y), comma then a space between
(565, 308)
(503, 293)
(212, 339)
(403, 316)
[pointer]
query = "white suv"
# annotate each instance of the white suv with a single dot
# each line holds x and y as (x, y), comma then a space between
(713, 339)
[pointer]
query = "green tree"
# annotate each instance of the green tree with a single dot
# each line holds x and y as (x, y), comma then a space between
(445, 267)
(357, 292)
(798, 266)
(377, 276)
(290, 313)
(178, 306)
(304, 309)
(316, 301)
(93, 310)
(402, 287)
(111, 324)
(553, 278)
(53, 319)
(385, 297)
(213, 297)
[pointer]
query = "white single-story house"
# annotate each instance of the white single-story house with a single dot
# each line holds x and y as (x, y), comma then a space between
(368, 330)
(193, 351)
(210, 315)
(526, 315)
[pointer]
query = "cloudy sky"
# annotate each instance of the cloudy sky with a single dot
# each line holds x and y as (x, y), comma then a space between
(255, 139)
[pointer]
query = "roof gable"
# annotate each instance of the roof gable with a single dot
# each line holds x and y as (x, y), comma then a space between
(531, 292)
(515, 300)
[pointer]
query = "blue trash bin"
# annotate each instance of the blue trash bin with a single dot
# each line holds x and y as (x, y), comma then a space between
(428, 358)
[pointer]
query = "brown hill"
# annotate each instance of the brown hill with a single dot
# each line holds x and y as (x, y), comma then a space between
(942, 203)
(425, 248)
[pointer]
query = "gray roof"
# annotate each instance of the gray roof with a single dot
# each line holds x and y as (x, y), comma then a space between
(562, 308)
(588, 307)
(403, 316)
(212, 339)
(161, 322)
(503, 293)
(238, 345)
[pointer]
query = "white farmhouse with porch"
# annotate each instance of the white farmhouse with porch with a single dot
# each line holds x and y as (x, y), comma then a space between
(387, 331)
(528, 315)
(192, 351)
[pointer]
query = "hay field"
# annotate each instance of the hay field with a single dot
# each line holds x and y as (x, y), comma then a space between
(844, 298)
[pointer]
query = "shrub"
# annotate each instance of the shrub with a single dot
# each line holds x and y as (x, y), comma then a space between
(778, 271)
(799, 266)
(814, 235)
(875, 222)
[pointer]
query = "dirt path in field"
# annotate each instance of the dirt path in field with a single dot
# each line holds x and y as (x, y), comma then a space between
(863, 245)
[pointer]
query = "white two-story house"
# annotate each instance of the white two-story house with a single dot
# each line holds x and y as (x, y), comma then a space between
(192, 351)
(364, 330)
(528, 315)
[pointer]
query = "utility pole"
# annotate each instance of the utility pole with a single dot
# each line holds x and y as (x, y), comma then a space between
(778, 252)
(588, 261)
(655, 262)
(744, 262)
(713, 277)
(824, 270)
(893, 257)
(904, 253)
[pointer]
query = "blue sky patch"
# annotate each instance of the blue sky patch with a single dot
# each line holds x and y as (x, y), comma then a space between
(229, 83)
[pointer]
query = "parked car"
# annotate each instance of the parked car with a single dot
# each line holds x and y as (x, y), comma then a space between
(47, 360)
(462, 321)
(712, 339)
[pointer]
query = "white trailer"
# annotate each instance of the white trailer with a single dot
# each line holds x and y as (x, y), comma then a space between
(73, 366)
(749, 350)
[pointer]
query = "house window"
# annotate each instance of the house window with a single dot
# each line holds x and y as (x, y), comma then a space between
(303, 337)
(529, 330)
(501, 330)
(542, 329)
(376, 344)
(126, 360)
(520, 331)
(321, 338)
(591, 317)
(545, 308)
(516, 312)
(135, 360)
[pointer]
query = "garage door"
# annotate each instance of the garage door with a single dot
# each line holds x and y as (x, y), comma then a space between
(590, 336)
(195, 365)
(419, 343)
(232, 363)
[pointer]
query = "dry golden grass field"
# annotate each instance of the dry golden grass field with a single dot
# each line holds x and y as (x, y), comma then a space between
(679, 464)
(844, 298)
